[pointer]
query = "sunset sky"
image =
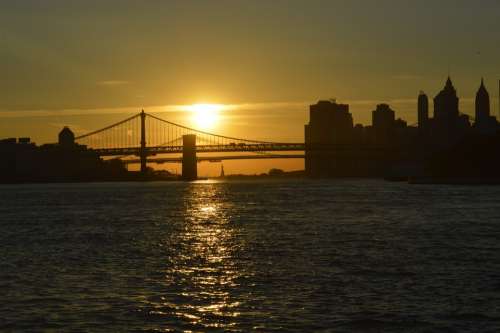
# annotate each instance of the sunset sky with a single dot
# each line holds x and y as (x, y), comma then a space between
(89, 63)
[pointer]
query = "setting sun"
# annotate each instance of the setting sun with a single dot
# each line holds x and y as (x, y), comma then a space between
(205, 116)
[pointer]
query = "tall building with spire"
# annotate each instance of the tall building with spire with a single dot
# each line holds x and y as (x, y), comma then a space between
(485, 123)
(446, 104)
(482, 103)
(448, 125)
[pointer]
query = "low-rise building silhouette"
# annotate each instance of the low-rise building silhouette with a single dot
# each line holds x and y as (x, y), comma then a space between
(23, 161)
(66, 137)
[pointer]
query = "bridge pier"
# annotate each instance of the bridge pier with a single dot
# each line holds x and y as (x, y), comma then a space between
(189, 160)
(143, 150)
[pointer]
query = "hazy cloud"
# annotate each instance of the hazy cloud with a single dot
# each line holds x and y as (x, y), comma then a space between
(113, 83)
(407, 77)
(244, 109)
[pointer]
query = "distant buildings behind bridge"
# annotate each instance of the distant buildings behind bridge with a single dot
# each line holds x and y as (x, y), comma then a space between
(23, 161)
(335, 147)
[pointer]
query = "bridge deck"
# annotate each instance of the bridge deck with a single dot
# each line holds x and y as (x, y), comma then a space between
(236, 148)
(217, 158)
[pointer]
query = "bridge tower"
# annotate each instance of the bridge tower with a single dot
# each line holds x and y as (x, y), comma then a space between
(143, 150)
(189, 160)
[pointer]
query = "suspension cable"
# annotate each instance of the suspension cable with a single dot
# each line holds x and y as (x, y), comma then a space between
(106, 128)
(211, 134)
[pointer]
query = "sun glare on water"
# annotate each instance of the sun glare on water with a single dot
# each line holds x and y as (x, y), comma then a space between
(205, 116)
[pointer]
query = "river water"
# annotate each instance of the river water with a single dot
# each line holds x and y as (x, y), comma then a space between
(264, 256)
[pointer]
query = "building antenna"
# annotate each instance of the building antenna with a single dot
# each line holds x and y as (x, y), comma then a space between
(449, 66)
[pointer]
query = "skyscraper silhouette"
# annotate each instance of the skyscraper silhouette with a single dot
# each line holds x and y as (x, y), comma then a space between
(446, 105)
(423, 111)
(448, 125)
(482, 103)
(383, 121)
(485, 123)
(330, 123)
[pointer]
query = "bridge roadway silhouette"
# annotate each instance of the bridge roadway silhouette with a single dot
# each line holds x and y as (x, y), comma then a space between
(162, 160)
(145, 136)
(206, 149)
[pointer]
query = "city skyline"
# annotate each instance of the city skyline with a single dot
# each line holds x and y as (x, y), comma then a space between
(200, 113)
(330, 123)
(77, 63)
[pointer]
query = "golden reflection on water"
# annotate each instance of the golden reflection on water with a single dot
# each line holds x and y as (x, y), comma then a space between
(203, 266)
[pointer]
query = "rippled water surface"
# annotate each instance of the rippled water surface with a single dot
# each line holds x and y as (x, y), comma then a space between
(303, 256)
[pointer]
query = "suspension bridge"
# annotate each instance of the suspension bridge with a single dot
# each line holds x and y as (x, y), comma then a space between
(144, 136)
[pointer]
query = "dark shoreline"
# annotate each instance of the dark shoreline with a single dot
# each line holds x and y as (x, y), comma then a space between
(293, 175)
